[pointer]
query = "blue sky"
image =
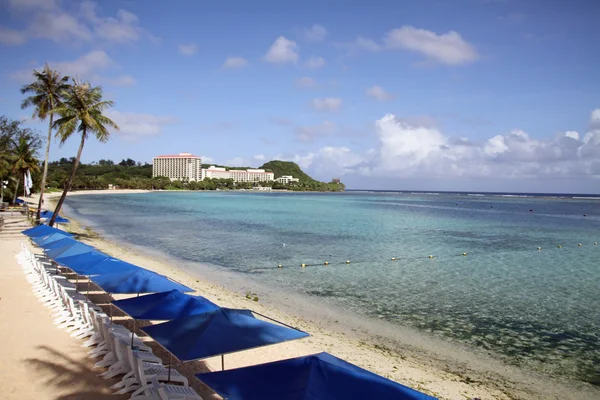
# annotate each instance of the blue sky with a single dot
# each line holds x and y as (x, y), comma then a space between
(494, 95)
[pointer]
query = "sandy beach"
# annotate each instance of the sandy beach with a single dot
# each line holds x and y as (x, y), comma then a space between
(435, 374)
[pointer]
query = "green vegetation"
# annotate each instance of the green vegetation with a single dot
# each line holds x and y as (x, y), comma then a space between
(280, 168)
(18, 148)
(129, 174)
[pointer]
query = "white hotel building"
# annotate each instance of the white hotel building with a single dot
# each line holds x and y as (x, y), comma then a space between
(238, 175)
(184, 167)
(188, 167)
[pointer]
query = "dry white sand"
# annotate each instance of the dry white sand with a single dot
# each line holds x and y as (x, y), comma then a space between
(434, 374)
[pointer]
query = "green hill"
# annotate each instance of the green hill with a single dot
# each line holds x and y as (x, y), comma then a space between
(280, 168)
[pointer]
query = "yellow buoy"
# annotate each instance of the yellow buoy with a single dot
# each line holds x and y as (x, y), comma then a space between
(326, 263)
(430, 256)
(280, 266)
(303, 265)
(464, 254)
(595, 243)
(559, 246)
(347, 261)
(579, 244)
(393, 258)
(539, 248)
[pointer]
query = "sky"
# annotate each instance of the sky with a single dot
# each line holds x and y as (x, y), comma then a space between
(488, 95)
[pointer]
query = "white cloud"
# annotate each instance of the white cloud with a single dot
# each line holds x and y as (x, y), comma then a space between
(123, 28)
(282, 51)
(327, 104)
(11, 37)
(378, 93)
(315, 33)
(138, 125)
(235, 62)
(315, 62)
(572, 135)
(448, 48)
(360, 44)
(59, 27)
(187, 49)
(306, 82)
(409, 150)
(595, 119)
(259, 157)
(85, 67)
(207, 160)
(46, 20)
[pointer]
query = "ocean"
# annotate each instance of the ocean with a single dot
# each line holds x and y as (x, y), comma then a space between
(515, 276)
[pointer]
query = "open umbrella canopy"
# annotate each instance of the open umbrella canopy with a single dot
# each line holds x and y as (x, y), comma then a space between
(108, 266)
(316, 377)
(138, 280)
(84, 260)
(58, 243)
(165, 305)
(69, 250)
(43, 230)
(50, 238)
(218, 332)
(60, 220)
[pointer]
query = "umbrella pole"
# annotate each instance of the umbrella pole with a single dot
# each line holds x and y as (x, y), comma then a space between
(132, 333)
(169, 377)
(76, 283)
(222, 362)
(87, 294)
(110, 308)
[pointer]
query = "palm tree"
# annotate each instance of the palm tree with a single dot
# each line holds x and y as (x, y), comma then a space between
(45, 93)
(81, 111)
(23, 159)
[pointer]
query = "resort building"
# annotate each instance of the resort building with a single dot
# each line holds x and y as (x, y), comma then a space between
(238, 175)
(287, 179)
(184, 167)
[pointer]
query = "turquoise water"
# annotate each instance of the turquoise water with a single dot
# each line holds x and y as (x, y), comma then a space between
(531, 307)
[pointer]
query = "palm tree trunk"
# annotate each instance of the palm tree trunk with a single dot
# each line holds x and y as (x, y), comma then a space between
(70, 181)
(17, 189)
(43, 186)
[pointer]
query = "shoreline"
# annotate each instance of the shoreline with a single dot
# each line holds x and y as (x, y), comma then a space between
(467, 376)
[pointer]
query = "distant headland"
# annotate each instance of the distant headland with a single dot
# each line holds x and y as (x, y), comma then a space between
(186, 172)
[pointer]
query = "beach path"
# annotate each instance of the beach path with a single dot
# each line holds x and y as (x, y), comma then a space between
(38, 360)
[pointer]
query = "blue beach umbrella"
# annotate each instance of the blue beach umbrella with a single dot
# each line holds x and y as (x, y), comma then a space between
(316, 377)
(218, 332)
(56, 243)
(50, 238)
(84, 260)
(60, 220)
(43, 230)
(138, 280)
(108, 266)
(69, 250)
(165, 305)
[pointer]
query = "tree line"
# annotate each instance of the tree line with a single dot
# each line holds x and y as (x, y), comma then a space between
(72, 108)
(129, 174)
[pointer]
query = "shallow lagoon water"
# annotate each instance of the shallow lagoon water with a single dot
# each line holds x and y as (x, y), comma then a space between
(534, 308)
